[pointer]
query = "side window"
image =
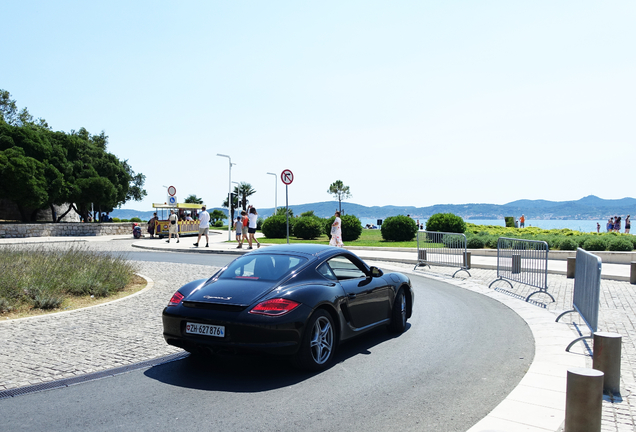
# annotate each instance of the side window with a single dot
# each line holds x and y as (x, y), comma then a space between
(325, 271)
(343, 268)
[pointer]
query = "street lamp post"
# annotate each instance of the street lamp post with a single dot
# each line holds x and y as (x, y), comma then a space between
(229, 197)
(275, 192)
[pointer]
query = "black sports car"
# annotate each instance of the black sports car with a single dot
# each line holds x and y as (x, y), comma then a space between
(297, 300)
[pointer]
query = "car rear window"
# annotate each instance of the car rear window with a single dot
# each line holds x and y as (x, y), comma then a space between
(262, 267)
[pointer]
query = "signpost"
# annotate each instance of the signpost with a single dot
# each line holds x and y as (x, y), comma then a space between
(287, 177)
(172, 195)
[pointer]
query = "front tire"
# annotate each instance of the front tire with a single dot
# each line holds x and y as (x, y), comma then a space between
(398, 314)
(319, 342)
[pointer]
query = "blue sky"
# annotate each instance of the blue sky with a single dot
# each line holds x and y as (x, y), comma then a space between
(409, 102)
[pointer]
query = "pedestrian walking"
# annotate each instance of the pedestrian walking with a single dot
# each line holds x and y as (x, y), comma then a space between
(238, 226)
(173, 226)
(598, 228)
(522, 221)
(204, 226)
(151, 225)
(245, 222)
(253, 221)
(628, 224)
(336, 232)
(610, 224)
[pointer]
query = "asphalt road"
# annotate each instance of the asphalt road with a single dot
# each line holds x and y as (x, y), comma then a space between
(460, 356)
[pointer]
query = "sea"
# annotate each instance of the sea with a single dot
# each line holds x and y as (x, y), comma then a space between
(576, 225)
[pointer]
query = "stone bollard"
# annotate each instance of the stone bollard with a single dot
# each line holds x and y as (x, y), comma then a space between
(516, 263)
(571, 268)
(583, 400)
(632, 273)
(607, 359)
(467, 260)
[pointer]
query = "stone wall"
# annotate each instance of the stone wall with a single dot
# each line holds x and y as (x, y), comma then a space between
(17, 230)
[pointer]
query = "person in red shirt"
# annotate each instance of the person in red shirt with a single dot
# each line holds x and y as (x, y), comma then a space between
(246, 221)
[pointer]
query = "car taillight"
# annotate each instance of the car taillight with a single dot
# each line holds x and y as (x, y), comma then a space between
(274, 307)
(176, 299)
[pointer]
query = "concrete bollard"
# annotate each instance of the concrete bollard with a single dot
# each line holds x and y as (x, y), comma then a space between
(516, 263)
(607, 359)
(583, 400)
(632, 273)
(421, 255)
(571, 270)
(467, 260)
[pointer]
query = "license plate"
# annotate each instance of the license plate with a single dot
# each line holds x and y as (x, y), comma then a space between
(205, 329)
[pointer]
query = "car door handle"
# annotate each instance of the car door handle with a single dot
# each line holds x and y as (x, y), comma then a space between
(351, 296)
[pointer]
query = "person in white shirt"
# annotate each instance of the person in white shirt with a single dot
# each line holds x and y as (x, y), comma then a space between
(204, 226)
(173, 226)
(251, 229)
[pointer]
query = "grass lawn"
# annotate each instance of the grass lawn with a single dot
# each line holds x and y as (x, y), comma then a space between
(369, 238)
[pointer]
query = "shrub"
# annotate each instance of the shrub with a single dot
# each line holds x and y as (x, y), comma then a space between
(116, 220)
(218, 224)
(351, 227)
(621, 245)
(134, 219)
(276, 226)
(399, 228)
(308, 227)
(492, 241)
(568, 244)
(446, 222)
(595, 244)
(475, 243)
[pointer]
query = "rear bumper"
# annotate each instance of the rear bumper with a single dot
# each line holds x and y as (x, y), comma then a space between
(273, 335)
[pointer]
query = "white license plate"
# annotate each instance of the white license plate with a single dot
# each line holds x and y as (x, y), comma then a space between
(205, 329)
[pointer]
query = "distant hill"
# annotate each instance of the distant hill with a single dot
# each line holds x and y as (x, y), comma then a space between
(587, 208)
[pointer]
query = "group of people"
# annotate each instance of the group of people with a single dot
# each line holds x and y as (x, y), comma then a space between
(614, 224)
(245, 227)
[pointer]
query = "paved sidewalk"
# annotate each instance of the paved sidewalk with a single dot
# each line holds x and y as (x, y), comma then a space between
(47, 348)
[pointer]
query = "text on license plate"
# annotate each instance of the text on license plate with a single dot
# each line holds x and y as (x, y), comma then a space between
(205, 329)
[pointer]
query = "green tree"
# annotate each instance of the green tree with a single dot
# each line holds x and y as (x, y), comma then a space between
(76, 167)
(217, 215)
(340, 192)
(192, 199)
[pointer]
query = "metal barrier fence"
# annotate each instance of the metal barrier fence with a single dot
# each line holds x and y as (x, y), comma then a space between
(587, 291)
(525, 262)
(444, 249)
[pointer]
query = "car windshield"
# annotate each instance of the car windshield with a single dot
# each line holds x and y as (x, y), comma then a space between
(262, 267)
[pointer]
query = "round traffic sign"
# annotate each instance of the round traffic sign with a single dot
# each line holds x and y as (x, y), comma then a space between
(172, 191)
(287, 177)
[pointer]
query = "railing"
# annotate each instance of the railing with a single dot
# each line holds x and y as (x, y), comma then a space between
(587, 291)
(525, 262)
(444, 249)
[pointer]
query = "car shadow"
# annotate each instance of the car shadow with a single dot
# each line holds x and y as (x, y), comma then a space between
(250, 373)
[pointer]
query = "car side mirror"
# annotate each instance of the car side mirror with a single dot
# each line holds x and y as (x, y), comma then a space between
(376, 272)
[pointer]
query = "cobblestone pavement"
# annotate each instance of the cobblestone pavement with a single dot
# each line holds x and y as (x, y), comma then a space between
(617, 314)
(52, 347)
(48, 348)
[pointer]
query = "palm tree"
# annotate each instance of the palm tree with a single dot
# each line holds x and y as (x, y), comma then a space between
(192, 199)
(244, 191)
(340, 191)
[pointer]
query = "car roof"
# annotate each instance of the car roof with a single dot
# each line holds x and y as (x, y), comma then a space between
(300, 249)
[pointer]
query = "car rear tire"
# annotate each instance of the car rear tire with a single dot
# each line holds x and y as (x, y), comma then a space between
(318, 344)
(398, 314)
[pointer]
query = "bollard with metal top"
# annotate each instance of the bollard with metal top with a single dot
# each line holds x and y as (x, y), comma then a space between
(607, 359)
(583, 400)
(632, 273)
